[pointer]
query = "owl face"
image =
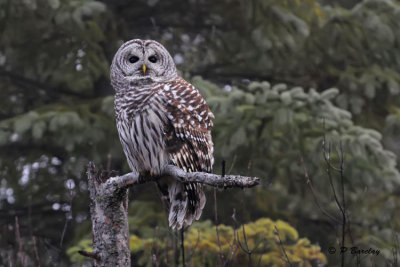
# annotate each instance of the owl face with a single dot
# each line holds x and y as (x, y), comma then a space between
(141, 62)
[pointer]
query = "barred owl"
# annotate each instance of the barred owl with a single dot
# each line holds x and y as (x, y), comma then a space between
(162, 119)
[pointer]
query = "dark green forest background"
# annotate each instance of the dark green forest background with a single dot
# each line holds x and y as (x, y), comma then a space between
(281, 76)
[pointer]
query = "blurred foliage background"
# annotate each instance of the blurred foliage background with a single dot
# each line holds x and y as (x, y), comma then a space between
(278, 75)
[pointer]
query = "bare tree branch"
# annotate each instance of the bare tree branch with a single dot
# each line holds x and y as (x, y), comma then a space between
(109, 203)
(227, 181)
(89, 254)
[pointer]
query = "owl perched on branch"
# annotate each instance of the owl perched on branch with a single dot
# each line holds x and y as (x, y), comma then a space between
(162, 119)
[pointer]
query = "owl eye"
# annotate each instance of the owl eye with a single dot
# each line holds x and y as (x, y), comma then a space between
(133, 59)
(153, 59)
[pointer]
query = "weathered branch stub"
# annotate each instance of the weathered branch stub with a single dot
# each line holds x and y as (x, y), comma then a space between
(109, 207)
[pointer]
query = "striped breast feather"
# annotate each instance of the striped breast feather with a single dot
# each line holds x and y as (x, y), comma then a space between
(141, 133)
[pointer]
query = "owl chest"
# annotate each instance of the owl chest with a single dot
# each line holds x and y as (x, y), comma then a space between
(143, 139)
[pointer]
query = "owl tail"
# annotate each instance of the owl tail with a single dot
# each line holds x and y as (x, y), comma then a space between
(186, 203)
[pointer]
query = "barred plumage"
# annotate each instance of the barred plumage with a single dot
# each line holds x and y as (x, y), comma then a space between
(162, 119)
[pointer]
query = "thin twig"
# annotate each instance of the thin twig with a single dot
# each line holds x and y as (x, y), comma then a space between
(249, 166)
(233, 248)
(36, 251)
(328, 170)
(341, 206)
(282, 247)
(68, 215)
(233, 164)
(183, 246)
(358, 260)
(220, 253)
(259, 259)
(310, 185)
(176, 250)
(193, 250)
(349, 228)
(18, 235)
(343, 197)
(246, 250)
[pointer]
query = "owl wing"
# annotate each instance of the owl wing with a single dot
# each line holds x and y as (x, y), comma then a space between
(189, 146)
(188, 137)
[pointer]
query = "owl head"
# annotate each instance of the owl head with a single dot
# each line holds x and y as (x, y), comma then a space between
(140, 62)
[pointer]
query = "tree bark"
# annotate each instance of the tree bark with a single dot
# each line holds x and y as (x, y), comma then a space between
(109, 216)
(109, 205)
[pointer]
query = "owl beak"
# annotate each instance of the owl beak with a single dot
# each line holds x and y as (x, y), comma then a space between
(144, 69)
